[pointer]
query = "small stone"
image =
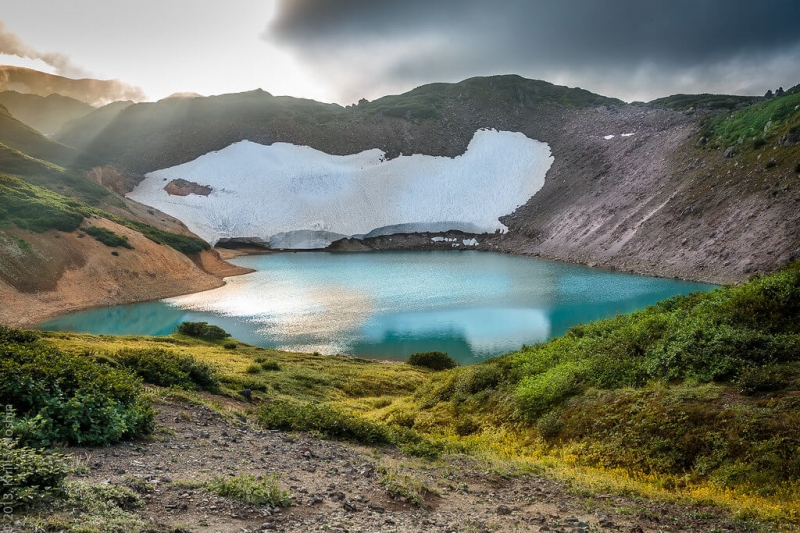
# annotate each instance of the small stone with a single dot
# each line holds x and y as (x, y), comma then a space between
(503, 510)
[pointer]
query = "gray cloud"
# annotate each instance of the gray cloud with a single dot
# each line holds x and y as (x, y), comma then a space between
(11, 44)
(72, 80)
(625, 48)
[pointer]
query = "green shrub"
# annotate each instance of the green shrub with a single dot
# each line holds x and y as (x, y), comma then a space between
(59, 397)
(271, 366)
(182, 243)
(251, 490)
(17, 336)
(432, 360)
(108, 237)
(229, 345)
(28, 474)
(202, 330)
(168, 369)
(253, 369)
(324, 420)
(37, 209)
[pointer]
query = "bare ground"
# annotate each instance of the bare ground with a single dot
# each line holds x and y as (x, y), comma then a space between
(336, 486)
(60, 272)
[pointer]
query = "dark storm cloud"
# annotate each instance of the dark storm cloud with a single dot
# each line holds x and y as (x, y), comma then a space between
(653, 47)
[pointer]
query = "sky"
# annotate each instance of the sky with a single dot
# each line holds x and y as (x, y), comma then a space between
(344, 50)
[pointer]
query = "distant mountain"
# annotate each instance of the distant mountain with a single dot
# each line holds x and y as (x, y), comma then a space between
(694, 186)
(44, 113)
(149, 136)
(87, 90)
(82, 131)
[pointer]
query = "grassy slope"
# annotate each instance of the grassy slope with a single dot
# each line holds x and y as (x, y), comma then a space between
(44, 113)
(427, 101)
(25, 139)
(694, 399)
(38, 209)
(764, 122)
(680, 102)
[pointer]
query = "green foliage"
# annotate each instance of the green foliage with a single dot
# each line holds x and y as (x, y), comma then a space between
(17, 336)
(108, 237)
(37, 209)
(229, 345)
(679, 430)
(59, 397)
(253, 369)
(182, 243)
(53, 177)
(89, 508)
(403, 485)
(202, 330)
(330, 422)
(767, 118)
(324, 420)
(252, 490)
(168, 369)
(271, 366)
(432, 360)
(29, 475)
(715, 336)
(680, 102)
(428, 102)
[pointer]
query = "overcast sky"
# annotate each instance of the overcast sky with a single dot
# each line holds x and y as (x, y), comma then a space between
(342, 50)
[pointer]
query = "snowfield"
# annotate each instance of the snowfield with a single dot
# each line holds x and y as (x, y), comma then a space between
(298, 197)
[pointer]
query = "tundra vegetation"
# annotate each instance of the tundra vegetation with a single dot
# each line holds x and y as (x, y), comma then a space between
(694, 399)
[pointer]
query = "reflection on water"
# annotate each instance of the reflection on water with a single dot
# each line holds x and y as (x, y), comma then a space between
(470, 304)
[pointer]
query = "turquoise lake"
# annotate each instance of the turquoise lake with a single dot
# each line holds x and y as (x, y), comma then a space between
(388, 305)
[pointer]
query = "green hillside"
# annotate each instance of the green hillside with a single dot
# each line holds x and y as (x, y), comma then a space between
(681, 102)
(43, 113)
(426, 102)
(758, 124)
(25, 139)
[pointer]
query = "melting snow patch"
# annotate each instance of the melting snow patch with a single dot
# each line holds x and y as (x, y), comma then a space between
(628, 134)
(298, 197)
(609, 137)
(437, 239)
(470, 242)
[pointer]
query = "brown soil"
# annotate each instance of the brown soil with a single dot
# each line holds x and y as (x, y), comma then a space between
(58, 273)
(336, 486)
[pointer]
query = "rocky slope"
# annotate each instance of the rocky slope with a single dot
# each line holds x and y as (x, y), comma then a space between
(647, 200)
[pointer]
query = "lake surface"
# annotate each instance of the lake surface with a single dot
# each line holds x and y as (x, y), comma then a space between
(389, 305)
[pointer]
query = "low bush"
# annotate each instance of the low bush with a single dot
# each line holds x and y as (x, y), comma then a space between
(202, 330)
(182, 243)
(253, 369)
(252, 490)
(271, 366)
(168, 369)
(28, 474)
(329, 422)
(432, 360)
(59, 397)
(108, 237)
(324, 420)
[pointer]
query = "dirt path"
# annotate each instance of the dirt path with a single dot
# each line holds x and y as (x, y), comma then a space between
(337, 486)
